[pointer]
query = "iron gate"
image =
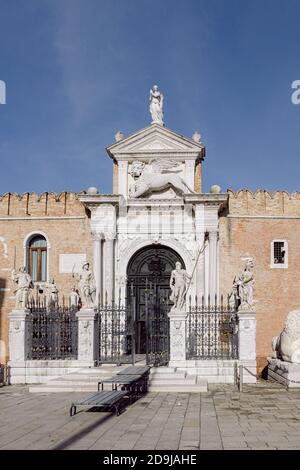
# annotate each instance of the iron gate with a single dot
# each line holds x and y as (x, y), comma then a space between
(211, 331)
(120, 336)
(157, 326)
(114, 333)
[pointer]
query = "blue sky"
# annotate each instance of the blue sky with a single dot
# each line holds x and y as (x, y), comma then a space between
(76, 71)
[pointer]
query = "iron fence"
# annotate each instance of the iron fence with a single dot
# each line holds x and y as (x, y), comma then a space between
(212, 330)
(51, 333)
(114, 333)
(3, 375)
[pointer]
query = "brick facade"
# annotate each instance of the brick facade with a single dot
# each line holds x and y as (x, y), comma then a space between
(62, 218)
(247, 228)
(248, 224)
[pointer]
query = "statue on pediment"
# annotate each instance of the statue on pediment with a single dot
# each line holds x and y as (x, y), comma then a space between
(86, 284)
(178, 284)
(156, 106)
(243, 288)
(158, 175)
(24, 284)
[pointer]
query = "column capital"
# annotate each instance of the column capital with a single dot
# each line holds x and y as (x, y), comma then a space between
(213, 233)
(110, 236)
(85, 314)
(18, 314)
(97, 236)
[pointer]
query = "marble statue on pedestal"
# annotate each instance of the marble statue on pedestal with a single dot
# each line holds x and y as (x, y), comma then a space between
(51, 294)
(178, 285)
(243, 288)
(158, 175)
(156, 106)
(73, 298)
(87, 288)
(24, 284)
(286, 346)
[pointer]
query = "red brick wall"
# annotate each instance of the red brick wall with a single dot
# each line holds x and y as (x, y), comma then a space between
(254, 220)
(36, 213)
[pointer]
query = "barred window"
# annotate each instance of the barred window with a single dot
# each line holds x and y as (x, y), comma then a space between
(279, 254)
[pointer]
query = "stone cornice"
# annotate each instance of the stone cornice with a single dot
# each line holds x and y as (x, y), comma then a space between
(135, 145)
(163, 153)
(209, 199)
(93, 200)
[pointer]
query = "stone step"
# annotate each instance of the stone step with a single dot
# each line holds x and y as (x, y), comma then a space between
(101, 370)
(163, 375)
(182, 388)
(163, 370)
(207, 371)
(55, 387)
(82, 378)
(172, 381)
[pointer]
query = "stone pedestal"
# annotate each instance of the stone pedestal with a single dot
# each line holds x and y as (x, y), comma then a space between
(177, 338)
(287, 373)
(17, 346)
(17, 335)
(247, 345)
(86, 339)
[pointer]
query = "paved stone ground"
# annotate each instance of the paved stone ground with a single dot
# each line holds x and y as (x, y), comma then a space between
(264, 416)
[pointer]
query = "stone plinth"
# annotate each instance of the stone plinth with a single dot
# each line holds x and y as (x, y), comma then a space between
(86, 320)
(247, 345)
(17, 335)
(17, 346)
(287, 373)
(177, 338)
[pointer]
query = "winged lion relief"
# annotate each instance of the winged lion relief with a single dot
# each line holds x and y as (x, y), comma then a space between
(156, 176)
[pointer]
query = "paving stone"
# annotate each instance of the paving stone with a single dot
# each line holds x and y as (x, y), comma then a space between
(256, 419)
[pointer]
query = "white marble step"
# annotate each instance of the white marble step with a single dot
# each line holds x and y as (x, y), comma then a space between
(173, 381)
(163, 370)
(54, 388)
(164, 375)
(82, 378)
(182, 388)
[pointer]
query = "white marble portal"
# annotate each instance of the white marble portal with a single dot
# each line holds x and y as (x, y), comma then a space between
(164, 216)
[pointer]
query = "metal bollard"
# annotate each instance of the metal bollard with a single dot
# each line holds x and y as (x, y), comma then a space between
(240, 378)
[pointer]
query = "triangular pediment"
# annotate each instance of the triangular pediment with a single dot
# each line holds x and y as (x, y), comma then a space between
(156, 139)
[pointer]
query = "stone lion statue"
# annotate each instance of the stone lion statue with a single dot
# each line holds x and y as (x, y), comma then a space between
(286, 346)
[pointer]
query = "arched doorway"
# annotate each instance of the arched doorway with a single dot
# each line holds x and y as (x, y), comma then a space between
(148, 275)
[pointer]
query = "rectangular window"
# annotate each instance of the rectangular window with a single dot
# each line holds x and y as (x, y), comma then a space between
(279, 254)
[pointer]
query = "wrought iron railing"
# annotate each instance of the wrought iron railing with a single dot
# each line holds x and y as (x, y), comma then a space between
(211, 330)
(3, 375)
(51, 333)
(114, 333)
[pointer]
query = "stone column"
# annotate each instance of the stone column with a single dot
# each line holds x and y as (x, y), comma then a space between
(177, 338)
(109, 268)
(17, 346)
(97, 263)
(86, 338)
(200, 269)
(247, 345)
(213, 265)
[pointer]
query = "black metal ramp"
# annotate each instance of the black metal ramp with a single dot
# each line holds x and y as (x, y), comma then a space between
(138, 370)
(111, 400)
